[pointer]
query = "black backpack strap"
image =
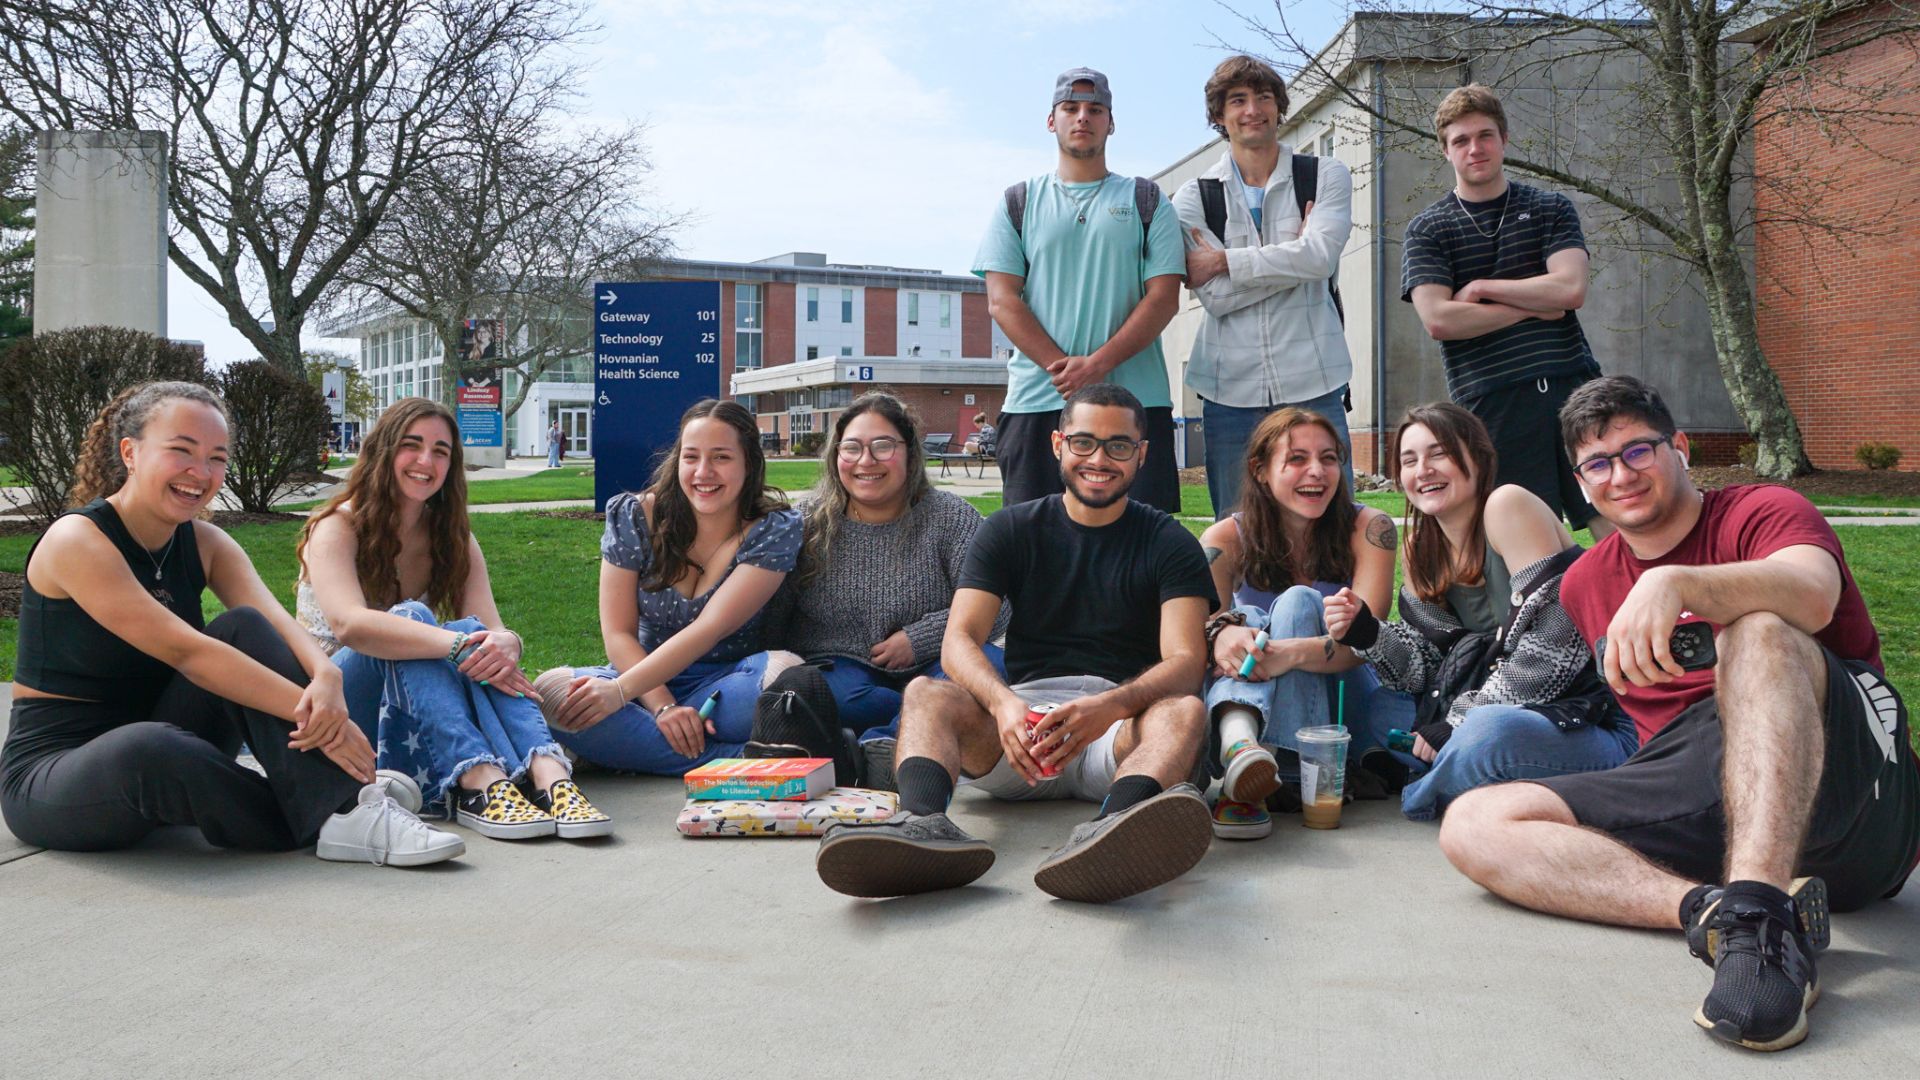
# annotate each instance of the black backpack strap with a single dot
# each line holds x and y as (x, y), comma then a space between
(1146, 199)
(1213, 206)
(1016, 200)
(1306, 188)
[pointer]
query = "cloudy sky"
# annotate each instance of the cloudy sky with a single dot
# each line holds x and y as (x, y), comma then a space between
(876, 131)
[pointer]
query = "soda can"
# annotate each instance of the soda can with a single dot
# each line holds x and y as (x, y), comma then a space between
(1036, 713)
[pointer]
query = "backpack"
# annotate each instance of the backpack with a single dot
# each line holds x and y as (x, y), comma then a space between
(797, 710)
(1306, 188)
(1146, 199)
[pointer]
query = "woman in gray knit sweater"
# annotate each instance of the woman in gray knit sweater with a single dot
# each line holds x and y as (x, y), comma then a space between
(868, 601)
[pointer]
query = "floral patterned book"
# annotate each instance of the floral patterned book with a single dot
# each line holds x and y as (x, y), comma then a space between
(765, 817)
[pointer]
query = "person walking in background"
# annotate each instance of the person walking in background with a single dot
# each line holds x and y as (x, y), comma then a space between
(553, 445)
(1496, 270)
(1272, 335)
(1083, 271)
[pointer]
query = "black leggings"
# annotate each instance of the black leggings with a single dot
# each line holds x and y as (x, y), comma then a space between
(175, 766)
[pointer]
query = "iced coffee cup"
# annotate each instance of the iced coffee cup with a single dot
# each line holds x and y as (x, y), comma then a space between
(1323, 775)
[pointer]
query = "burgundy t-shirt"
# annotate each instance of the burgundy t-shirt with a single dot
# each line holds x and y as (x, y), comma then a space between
(1737, 524)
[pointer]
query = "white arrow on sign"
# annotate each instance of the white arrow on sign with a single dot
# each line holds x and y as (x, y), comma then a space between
(609, 297)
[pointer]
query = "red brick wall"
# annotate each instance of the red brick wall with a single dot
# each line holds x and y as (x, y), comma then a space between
(882, 336)
(1838, 314)
(976, 327)
(777, 315)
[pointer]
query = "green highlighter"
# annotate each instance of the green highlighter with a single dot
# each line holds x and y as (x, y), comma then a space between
(1259, 643)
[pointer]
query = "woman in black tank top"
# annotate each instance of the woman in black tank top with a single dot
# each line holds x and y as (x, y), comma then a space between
(128, 712)
(1541, 711)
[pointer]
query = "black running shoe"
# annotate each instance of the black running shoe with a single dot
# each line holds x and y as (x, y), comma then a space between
(1809, 896)
(1763, 978)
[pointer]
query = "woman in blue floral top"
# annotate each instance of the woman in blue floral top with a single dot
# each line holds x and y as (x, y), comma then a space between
(686, 567)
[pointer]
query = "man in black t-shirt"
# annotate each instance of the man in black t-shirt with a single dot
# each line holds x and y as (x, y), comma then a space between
(1496, 271)
(1109, 600)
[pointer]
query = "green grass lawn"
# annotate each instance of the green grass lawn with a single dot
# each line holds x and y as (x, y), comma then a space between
(545, 579)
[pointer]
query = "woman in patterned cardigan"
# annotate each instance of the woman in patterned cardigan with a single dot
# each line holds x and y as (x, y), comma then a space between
(1541, 709)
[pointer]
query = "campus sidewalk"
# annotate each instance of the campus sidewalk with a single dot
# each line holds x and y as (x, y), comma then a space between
(1350, 955)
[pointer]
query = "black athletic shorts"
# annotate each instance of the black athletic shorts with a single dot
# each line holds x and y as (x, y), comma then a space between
(1524, 420)
(1664, 801)
(1028, 469)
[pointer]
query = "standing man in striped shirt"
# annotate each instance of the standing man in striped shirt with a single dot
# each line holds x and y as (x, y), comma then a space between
(1496, 270)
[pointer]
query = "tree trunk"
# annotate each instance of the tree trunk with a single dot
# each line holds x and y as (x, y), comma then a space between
(1753, 386)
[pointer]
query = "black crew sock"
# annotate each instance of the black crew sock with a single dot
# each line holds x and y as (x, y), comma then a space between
(1777, 903)
(925, 786)
(1128, 792)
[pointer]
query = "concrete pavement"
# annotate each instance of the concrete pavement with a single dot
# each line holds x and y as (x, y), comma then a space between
(1352, 954)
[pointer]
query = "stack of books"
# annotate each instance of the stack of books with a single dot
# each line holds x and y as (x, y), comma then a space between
(774, 797)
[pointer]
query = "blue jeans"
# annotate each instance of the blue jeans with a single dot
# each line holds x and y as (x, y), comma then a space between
(869, 697)
(553, 455)
(429, 721)
(1300, 699)
(1229, 428)
(1497, 743)
(629, 739)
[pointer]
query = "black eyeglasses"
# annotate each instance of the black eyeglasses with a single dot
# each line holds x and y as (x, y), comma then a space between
(1636, 455)
(881, 448)
(1117, 448)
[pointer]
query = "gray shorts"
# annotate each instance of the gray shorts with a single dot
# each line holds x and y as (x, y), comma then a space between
(1087, 777)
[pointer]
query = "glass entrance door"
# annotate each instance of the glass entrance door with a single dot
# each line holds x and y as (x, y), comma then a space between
(575, 429)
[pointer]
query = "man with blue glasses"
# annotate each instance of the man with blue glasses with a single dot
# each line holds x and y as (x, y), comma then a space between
(1774, 776)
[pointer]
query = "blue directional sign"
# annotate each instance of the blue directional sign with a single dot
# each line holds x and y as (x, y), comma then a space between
(656, 351)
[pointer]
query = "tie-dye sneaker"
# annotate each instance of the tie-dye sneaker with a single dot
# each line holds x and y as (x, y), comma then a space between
(500, 812)
(1240, 820)
(574, 817)
(1251, 772)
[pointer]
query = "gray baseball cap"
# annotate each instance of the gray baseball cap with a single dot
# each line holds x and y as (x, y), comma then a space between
(1063, 87)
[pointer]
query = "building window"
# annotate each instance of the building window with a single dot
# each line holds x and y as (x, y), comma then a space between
(813, 352)
(946, 310)
(746, 327)
(813, 305)
(913, 309)
(835, 397)
(801, 422)
(846, 350)
(750, 402)
(746, 350)
(846, 305)
(1326, 144)
(946, 354)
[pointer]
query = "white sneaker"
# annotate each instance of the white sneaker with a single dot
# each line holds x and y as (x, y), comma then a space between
(401, 787)
(380, 831)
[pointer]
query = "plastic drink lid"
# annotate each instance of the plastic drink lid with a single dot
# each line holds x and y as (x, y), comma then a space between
(1325, 734)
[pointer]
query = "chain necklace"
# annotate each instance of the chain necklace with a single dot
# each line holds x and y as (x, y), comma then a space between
(1506, 201)
(164, 552)
(1080, 203)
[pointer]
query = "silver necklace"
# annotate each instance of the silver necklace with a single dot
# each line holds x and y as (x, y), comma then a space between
(1506, 202)
(164, 552)
(1080, 203)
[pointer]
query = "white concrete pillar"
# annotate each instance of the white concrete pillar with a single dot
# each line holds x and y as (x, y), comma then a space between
(100, 231)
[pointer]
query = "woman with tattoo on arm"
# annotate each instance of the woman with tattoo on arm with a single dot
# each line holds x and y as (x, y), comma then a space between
(1482, 591)
(1298, 537)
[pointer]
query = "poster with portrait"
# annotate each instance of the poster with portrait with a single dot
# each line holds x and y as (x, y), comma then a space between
(477, 389)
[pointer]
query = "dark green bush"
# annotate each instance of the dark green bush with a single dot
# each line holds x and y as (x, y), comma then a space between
(52, 385)
(280, 422)
(1877, 455)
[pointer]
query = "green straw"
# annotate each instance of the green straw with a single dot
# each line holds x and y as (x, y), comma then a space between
(1340, 704)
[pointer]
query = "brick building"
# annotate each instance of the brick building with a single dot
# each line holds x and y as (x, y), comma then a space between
(809, 336)
(1837, 312)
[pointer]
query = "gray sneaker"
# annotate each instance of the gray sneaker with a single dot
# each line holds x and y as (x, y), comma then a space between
(903, 855)
(1137, 849)
(879, 762)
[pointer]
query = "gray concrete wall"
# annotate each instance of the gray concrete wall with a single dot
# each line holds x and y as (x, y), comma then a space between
(100, 246)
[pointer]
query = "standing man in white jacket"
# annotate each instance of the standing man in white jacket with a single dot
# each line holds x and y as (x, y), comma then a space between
(1272, 335)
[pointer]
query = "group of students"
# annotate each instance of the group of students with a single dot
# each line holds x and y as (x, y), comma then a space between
(1582, 760)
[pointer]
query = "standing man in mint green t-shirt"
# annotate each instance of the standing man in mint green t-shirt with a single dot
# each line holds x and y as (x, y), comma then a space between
(1082, 287)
